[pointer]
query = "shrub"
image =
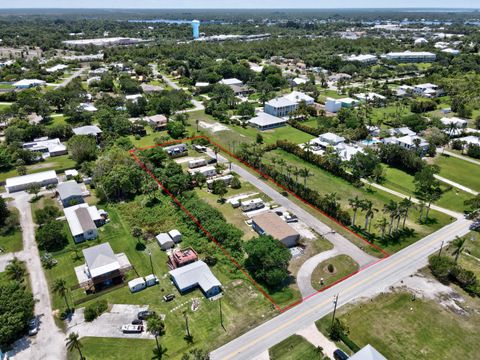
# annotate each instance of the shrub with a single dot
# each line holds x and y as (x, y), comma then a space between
(95, 309)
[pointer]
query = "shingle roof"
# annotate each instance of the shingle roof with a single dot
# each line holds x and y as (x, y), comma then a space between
(100, 259)
(69, 188)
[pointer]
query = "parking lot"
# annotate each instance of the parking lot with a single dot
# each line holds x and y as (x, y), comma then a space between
(109, 324)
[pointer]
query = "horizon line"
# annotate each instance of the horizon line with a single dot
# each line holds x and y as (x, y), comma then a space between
(240, 8)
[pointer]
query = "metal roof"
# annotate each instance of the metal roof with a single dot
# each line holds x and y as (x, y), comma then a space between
(31, 178)
(264, 119)
(196, 273)
(368, 352)
(274, 226)
(69, 188)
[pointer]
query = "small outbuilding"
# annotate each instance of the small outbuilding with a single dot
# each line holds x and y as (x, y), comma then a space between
(164, 241)
(137, 284)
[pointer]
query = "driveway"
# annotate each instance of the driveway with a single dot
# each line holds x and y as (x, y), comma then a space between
(108, 324)
(49, 343)
(304, 275)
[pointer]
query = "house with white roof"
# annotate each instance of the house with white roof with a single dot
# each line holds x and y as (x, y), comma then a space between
(334, 105)
(83, 221)
(231, 81)
(368, 352)
(102, 267)
(451, 51)
(370, 96)
(28, 83)
(47, 147)
(298, 97)
(133, 97)
(459, 123)
(471, 139)
(193, 275)
(366, 59)
(89, 107)
(207, 171)
(58, 67)
(427, 90)
(413, 142)
(20, 183)
(420, 41)
(280, 106)
(91, 130)
(264, 121)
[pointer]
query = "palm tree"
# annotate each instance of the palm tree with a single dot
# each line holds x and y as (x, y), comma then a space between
(15, 270)
(296, 173)
(406, 204)
(355, 203)
(157, 327)
(158, 352)
(459, 246)
(305, 173)
(196, 123)
(73, 342)
(391, 209)
(308, 149)
(52, 188)
(370, 211)
(60, 288)
(382, 226)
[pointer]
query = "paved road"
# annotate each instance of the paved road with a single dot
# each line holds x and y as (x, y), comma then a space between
(340, 243)
(457, 185)
(49, 343)
(458, 156)
(366, 283)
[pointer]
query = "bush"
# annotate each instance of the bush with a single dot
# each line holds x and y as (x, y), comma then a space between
(95, 309)
(51, 236)
(48, 213)
(337, 330)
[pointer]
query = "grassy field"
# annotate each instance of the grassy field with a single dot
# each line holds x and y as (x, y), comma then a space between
(12, 241)
(387, 112)
(243, 306)
(110, 349)
(58, 163)
(294, 348)
(325, 182)
(459, 171)
(343, 266)
(403, 329)
(402, 182)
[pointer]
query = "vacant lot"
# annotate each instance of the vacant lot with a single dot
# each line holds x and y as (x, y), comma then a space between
(460, 171)
(404, 329)
(294, 348)
(324, 183)
(11, 241)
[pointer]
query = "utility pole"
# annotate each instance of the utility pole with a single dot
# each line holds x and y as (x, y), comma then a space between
(221, 313)
(151, 263)
(441, 248)
(335, 302)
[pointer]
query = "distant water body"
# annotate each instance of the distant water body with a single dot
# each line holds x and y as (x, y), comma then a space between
(162, 21)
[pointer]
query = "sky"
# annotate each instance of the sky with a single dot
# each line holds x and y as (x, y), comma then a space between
(278, 4)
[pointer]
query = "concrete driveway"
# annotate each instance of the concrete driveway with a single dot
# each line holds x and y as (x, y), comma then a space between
(108, 324)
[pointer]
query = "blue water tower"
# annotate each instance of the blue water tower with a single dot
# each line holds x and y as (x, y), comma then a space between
(196, 29)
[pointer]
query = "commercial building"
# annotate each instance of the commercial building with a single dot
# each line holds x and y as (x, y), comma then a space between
(264, 121)
(28, 83)
(269, 223)
(193, 275)
(102, 267)
(47, 147)
(20, 183)
(112, 41)
(411, 56)
(83, 221)
(70, 193)
(364, 59)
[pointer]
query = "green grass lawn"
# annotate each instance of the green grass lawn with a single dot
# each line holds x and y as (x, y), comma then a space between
(110, 349)
(243, 305)
(148, 139)
(403, 329)
(294, 348)
(459, 171)
(12, 241)
(324, 183)
(387, 112)
(343, 266)
(58, 163)
(398, 180)
(4, 106)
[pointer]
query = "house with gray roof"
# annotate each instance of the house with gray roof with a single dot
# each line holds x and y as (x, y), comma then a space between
(102, 267)
(91, 130)
(264, 121)
(83, 221)
(70, 193)
(196, 274)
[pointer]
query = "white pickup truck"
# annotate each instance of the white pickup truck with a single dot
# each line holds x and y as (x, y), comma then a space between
(132, 329)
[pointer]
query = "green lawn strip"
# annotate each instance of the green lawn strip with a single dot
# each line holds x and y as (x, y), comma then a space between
(12, 241)
(400, 328)
(398, 180)
(343, 266)
(95, 348)
(294, 348)
(325, 182)
(58, 163)
(459, 171)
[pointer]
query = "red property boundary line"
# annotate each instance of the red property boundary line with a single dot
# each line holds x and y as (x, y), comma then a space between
(225, 252)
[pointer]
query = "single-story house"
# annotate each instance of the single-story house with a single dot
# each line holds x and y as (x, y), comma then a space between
(231, 81)
(366, 59)
(92, 130)
(227, 179)
(34, 119)
(193, 275)
(208, 171)
(459, 123)
(368, 352)
(58, 67)
(346, 151)
(48, 147)
(102, 267)
(201, 84)
(269, 223)
(28, 83)
(427, 90)
(297, 81)
(471, 139)
(176, 150)
(71, 173)
(70, 193)
(182, 257)
(20, 183)
(370, 96)
(88, 107)
(133, 97)
(402, 131)
(328, 139)
(83, 221)
(264, 121)
(241, 90)
(147, 88)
